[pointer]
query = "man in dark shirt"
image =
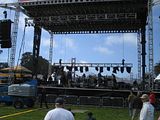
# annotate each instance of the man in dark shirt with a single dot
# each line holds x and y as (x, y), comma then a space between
(43, 98)
(137, 105)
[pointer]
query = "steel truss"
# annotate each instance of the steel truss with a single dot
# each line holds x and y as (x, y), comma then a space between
(86, 17)
(51, 2)
(96, 64)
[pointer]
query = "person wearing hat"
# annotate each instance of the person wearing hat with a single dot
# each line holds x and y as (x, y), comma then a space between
(147, 111)
(59, 113)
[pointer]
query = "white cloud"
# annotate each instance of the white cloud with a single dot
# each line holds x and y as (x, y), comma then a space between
(83, 61)
(70, 43)
(156, 1)
(22, 21)
(8, 1)
(128, 38)
(103, 50)
(46, 42)
(62, 51)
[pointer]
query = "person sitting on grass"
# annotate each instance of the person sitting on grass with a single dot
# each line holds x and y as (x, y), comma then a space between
(90, 116)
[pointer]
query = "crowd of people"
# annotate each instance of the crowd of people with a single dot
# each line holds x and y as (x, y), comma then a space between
(141, 107)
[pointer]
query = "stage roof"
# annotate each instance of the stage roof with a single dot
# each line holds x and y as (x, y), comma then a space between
(87, 16)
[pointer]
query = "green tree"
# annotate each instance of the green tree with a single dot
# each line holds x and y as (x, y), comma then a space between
(27, 61)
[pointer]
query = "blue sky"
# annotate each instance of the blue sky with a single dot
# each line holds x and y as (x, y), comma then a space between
(90, 48)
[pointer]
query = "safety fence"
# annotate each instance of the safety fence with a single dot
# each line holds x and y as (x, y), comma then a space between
(89, 100)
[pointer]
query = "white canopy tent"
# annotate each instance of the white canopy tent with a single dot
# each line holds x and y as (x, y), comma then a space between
(157, 79)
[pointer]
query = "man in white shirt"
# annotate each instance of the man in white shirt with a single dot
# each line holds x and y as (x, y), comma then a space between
(59, 113)
(147, 111)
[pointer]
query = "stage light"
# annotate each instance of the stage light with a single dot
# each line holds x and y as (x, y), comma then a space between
(122, 69)
(81, 69)
(128, 69)
(117, 68)
(86, 68)
(69, 68)
(101, 69)
(108, 68)
(76, 68)
(114, 70)
(60, 62)
(123, 61)
(96, 68)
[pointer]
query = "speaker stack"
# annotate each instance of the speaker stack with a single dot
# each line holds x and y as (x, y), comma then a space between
(5, 33)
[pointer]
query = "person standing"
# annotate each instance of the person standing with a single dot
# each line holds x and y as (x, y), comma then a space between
(43, 98)
(130, 102)
(152, 98)
(147, 111)
(137, 106)
(59, 113)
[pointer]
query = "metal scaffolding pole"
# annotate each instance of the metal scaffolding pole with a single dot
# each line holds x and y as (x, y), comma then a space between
(139, 54)
(36, 47)
(50, 55)
(143, 43)
(14, 37)
(14, 42)
(150, 44)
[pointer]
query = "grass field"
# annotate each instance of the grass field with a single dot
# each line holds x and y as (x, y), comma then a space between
(100, 113)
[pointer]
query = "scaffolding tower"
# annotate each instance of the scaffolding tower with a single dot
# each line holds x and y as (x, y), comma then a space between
(50, 55)
(150, 44)
(14, 37)
(139, 54)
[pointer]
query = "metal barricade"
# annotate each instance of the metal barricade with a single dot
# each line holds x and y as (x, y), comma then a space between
(70, 99)
(113, 101)
(51, 98)
(89, 100)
